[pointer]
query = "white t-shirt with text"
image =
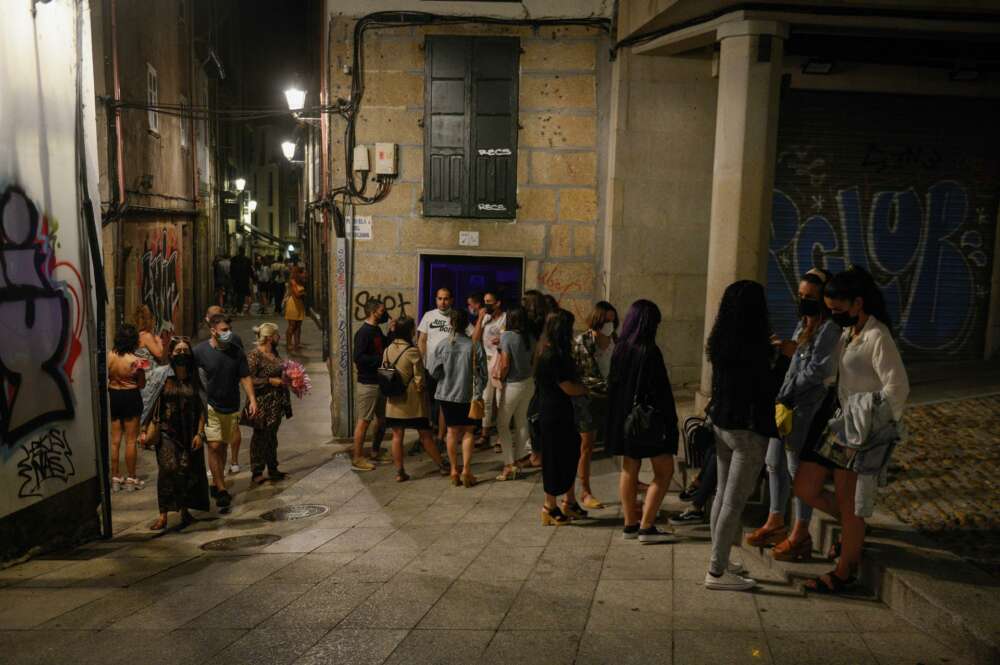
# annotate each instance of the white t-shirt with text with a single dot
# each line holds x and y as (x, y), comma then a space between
(436, 326)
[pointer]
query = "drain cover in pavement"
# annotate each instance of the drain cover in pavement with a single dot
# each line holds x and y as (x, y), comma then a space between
(241, 542)
(294, 512)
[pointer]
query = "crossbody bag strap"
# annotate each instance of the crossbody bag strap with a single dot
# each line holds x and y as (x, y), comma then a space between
(638, 383)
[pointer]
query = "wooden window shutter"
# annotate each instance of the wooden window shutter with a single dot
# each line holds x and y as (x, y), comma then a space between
(494, 127)
(446, 126)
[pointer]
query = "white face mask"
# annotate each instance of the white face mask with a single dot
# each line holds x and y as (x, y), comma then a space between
(608, 329)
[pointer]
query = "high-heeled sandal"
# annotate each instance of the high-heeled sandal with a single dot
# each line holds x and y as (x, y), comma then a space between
(786, 550)
(553, 517)
(590, 502)
(456, 480)
(402, 476)
(835, 587)
(468, 480)
(159, 525)
(764, 536)
(509, 473)
(574, 511)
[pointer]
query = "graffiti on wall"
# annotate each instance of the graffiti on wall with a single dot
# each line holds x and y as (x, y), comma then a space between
(926, 246)
(41, 320)
(159, 278)
(395, 305)
(49, 457)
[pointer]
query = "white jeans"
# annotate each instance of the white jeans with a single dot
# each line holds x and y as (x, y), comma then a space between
(489, 394)
(516, 398)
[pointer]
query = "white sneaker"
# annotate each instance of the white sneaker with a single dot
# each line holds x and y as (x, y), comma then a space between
(736, 568)
(729, 582)
(134, 484)
(234, 468)
(116, 484)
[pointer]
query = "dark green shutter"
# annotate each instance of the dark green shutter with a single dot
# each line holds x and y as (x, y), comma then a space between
(470, 135)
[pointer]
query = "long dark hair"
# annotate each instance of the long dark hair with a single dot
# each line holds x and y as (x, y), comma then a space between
(536, 310)
(856, 282)
(517, 322)
(638, 332)
(126, 340)
(742, 329)
(193, 375)
(557, 337)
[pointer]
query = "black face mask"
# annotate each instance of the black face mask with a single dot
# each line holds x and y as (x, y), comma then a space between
(183, 360)
(844, 320)
(384, 318)
(809, 307)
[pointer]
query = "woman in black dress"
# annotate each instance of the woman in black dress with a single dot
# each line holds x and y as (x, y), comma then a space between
(556, 381)
(179, 417)
(638, 376)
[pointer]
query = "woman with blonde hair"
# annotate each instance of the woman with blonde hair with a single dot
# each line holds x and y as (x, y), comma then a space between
(273, 403)
(295, 308)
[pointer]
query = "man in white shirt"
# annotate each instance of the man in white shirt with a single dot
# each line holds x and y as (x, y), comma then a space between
(491, 322)
(434, 328)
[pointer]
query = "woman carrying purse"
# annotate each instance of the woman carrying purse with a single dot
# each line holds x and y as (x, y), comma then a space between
(273, 403)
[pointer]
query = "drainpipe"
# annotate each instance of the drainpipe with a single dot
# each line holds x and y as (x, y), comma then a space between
(119, 230)
(196, 291)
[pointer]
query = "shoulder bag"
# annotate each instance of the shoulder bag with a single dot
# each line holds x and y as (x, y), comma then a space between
(477, 407)
(645, 425)
(390, 381)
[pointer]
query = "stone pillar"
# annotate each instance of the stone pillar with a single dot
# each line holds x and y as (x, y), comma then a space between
(746, 130)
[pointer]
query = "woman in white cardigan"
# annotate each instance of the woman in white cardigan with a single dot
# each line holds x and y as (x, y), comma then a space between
(869, 362)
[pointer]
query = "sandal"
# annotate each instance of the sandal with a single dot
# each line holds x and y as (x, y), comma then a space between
(497, 448)
(786, 550)
(159, 525)
(509, 473)
(402, 476)
(591, 503)
(258, 479)
(186, 518)
(444, 468)
(835, 586)
(468, 480)
(764, 537)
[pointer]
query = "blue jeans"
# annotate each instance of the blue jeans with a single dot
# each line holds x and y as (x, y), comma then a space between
(782, 465)
(739, 457)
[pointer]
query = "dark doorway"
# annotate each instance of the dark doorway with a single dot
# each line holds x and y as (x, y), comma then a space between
(469, 274)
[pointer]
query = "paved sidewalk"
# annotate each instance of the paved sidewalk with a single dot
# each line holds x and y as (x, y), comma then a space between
(419, 572)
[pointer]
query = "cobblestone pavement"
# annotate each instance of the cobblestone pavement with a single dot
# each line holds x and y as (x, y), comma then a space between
(944, 479)
(418, 572)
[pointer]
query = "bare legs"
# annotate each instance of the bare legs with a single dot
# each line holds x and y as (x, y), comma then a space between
(217, 463)
(116, 441)
(460, 436)
(426, 440)
(360, 431)
(131, 436)
(663, 471)
(809, 486)
(234, 451)
(583, 470)
(293, 336)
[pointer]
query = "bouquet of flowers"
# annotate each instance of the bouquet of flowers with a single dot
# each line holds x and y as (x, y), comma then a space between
(295, 377)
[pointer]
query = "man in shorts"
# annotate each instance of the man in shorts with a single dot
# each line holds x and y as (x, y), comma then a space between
(225, 368)
(434, 328)
(369, 344)
(206, 334)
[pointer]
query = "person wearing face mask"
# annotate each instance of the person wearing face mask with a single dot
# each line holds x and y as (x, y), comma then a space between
(369, 345)
(474, 303)
(178, 430)
(273, 402)
(434, 328)
(592, 351)
(225, 369)
(868, 362)
(205, 334)
(489, 325)
(812, 352)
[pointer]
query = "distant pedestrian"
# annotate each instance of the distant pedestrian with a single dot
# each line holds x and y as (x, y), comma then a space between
(273, 403)
(126, 377)
(178, 429)
(460, 372)
(556, 382)
(513, 370)
(223, 281)
(410, 409)
(434, 328)
(279, 276)
(295, 309)
(240, 271)
(637, 381)
(741, 409)
(592, 351)
(226, 369)
(263, 283)
(369, 345)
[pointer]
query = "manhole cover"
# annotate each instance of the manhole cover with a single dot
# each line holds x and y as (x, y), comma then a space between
(241, 542)
(294, 512)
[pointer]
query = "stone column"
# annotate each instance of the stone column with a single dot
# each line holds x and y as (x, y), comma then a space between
(746, 129)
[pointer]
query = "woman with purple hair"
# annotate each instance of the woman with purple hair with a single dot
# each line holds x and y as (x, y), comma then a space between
(638, 381)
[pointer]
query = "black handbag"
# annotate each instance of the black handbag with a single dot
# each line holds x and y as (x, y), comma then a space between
(390, 381)
(699, 439)
(645, 425)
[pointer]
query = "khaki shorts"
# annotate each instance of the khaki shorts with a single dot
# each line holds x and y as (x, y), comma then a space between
(221, 426)
(371, 402)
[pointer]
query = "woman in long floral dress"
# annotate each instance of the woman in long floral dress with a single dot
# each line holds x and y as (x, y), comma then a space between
(179, 417)
(273, 403)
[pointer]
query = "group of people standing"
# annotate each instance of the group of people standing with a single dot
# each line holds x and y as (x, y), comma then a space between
(552, 393)
(243, 285)
(184, 401)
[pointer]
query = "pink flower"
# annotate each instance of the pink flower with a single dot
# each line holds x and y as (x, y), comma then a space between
(295, 377)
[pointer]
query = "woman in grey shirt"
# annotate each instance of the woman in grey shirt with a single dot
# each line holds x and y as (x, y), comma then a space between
(514, 370)
(460, 372)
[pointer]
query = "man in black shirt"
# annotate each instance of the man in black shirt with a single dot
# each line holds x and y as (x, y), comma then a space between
(369, 343)
(239, 273)
(225, 368)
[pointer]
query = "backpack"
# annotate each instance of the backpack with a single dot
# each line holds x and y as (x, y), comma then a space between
(390, 381)
(698, 440)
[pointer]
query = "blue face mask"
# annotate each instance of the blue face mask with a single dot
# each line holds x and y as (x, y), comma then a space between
(226, 337)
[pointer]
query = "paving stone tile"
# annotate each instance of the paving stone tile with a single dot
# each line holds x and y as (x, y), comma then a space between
(473, 604)
(718, 620)
(398, 604)
(304, 541)
(26, 608)
(639, 562)
(312, 568)
(879, 619)
(376, 565)
(694, 597)
(440, 562)
(569, 563)
(818, 648)
(357, 539)
(30, 569)
(177, 608)
(470, 535)
(520, 534)
(419, 536)
(40, 647)
(269, 646)
(251, 606)
(532, 647)
(489, 511)
(551, 605)
(241, 570)
(628, 647)
(325, 605)
(582, 535)
(497, 562)
(718, 648)
(353, 647)
(910, 648)
(104, 572)
(441, 647)
(620, 605)
(829, 620)
(104, 611)
(188, 647)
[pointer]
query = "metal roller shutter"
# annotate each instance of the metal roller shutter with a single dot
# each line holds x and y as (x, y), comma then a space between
(906, 187)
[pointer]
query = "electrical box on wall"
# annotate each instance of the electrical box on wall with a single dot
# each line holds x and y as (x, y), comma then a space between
(361, 158)
(385, 159)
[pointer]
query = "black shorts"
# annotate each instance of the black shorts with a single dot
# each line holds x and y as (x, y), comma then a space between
(456, 414)
(418, 424)
(125, 404)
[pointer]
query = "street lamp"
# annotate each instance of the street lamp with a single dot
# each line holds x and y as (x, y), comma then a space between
(252, 205)
(296, 98)
(288, 148)
(241, 184)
